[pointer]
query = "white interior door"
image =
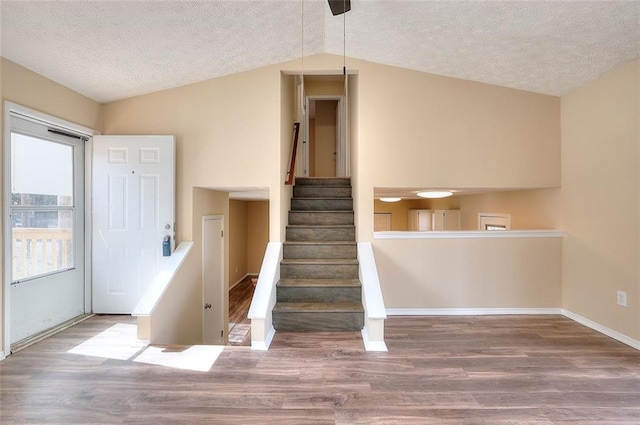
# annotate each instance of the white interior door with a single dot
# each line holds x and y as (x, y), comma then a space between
(133, 210)
(45, 222)
(214, 299)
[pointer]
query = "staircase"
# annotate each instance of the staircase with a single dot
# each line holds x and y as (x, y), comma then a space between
(319, 289)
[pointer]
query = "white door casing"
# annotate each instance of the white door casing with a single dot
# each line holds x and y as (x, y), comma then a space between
(213, 291)
(341, 146)
(133, 210)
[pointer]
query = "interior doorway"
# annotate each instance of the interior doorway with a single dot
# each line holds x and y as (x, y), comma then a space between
(323, 137)
(326, 148)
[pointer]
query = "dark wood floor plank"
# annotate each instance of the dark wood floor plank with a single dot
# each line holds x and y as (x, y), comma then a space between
(516, 370)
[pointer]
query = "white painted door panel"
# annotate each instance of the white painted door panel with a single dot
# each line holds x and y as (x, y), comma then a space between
(213, 280)
(133, 210)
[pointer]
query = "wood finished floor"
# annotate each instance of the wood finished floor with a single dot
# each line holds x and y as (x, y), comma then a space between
(239, 302)
(439, 370)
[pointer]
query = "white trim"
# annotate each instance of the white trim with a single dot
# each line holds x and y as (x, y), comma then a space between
(370, 345)
(341, 146)
(264, 345)
(88, 226)
(264, 298)
(41, 117)
(6, 244)
(472, 234)
(634, 343)
(374, 302)
(469, 311)
(241, 279)
(2, 356)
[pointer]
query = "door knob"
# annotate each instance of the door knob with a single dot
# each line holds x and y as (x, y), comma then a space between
(206, 306)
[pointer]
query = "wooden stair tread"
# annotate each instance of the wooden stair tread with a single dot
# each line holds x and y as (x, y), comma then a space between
(321, 226)
(321, 283)
(320, 242)
(319, 261)
(321, 211)
(324, 198)
(337, 307)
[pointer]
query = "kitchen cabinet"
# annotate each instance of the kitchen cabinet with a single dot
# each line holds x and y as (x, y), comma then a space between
(446, 220)
(420, 220)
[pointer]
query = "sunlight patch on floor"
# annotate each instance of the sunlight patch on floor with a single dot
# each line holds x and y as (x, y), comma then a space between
(238, 332)
(120, 342)
(199, 358)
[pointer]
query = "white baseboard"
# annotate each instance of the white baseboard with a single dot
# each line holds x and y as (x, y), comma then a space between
(243, 278)
(468, 311)
(602, 329)
(264, 345)
(372, 345)
(2, 357)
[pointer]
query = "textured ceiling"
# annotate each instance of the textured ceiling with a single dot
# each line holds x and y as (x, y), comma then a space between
(109, 50)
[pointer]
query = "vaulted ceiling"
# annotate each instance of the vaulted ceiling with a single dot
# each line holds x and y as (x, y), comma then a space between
(111, 49)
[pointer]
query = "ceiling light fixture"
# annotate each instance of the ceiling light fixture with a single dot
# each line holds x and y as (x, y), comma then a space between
(390, 199)
(434, 194)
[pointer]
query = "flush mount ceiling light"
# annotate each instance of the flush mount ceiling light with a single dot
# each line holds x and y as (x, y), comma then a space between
(390, 199)
(434, 194)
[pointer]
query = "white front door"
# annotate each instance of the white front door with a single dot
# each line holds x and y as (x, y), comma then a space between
(45, 220)
(133, 210)
(214, 299)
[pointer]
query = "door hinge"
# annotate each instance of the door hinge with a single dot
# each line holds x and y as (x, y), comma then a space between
(222, 334)
(222, 233)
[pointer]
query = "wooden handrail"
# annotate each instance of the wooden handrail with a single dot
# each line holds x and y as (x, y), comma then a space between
(294, 149)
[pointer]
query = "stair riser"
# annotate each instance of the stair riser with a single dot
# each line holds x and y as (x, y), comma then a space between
(316, 321)
(319, 295)
(321, 218)
(322, 204)
(320, 251)
(318, 271)
(334, 181)
(297, 234)
(321, 192)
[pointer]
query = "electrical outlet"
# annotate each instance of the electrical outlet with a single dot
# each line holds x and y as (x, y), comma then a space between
(621, 298)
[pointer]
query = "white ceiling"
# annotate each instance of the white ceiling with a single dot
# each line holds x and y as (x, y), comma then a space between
(111, 49)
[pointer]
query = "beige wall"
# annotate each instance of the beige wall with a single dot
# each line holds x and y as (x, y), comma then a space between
(280, 207)
(237, 241)
(529, 209)
(26, 88)
(436, 131)
(470, 273)
(228, 133)
(257, 234)
(177, 318)
(248, 237)
(600, 199)
(319, 87)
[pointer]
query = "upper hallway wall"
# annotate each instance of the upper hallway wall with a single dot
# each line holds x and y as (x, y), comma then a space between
(414, 129)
